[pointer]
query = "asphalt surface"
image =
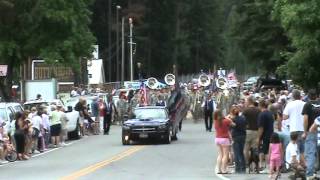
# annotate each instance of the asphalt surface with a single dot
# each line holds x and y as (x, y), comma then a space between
(193, 156)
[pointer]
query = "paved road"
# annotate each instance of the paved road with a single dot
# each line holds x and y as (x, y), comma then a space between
(104, 157)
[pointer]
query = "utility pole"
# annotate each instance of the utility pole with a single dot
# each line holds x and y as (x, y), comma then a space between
(122, 51)
(109, 39)
(117, 41)
(131, 50)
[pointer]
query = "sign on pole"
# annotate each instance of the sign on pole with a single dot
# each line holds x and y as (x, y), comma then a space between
(3, 70)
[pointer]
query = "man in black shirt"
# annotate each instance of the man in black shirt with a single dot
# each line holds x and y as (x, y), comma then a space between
(310, 111)
(80, 107)
(265, 130)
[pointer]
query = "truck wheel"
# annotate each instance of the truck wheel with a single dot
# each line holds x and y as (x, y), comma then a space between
(167, 139)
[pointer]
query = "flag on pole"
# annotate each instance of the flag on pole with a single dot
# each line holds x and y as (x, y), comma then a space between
(143, 94)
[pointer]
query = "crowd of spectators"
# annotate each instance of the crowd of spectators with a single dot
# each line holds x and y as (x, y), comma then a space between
(33, 132)
(282, 127)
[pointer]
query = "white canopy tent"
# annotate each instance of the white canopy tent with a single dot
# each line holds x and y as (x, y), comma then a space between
(96, 72)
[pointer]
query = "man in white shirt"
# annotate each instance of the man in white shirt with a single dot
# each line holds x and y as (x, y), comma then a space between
(293, 113)
(74, 92)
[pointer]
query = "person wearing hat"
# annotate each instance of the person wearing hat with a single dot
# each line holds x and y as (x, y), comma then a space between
(39, 97)
(64, 122)
(80, 107)
(122, 106)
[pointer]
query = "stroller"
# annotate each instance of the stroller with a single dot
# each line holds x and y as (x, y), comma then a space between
(299, 172)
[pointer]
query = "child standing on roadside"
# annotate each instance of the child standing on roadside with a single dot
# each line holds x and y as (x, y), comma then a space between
(275, 155)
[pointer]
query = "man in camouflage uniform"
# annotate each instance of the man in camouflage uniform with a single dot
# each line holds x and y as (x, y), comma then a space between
(196, 109)
(133, 103)
(122, 106)
(153, 98)
(165, 94)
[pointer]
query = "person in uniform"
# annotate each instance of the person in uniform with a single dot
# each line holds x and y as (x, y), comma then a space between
(109, 109)
(197, 109)
(133, 103)
(208, 107)
(160, 101)
(153, 98)
(122, 106)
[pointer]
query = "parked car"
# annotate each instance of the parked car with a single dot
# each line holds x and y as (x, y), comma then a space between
(250, 82)
(7, 112)
(73, 125)
(148, 122)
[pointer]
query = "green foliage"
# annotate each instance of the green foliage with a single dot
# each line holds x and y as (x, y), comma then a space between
(187, 33)
(235, 57)
(259, 36)
(301, 21)
(50, 29)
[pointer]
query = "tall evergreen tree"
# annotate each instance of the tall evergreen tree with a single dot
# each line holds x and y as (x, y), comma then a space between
(259, 36)
(300, 19)
(51, 29)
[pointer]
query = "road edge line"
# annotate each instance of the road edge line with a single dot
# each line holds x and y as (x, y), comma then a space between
(220, 176)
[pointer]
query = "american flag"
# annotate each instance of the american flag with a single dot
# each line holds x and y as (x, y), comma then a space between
(143, 92)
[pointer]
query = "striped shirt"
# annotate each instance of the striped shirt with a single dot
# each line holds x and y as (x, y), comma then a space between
(317, 122)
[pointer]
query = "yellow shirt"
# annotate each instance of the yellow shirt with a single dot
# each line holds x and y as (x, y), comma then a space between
(55, 118)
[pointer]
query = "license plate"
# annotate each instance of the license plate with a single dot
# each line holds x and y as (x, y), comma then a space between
(143, 135)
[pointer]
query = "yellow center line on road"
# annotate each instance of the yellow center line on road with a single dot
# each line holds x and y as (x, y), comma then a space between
(101, 164)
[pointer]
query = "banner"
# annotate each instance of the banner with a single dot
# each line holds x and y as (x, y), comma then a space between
(3, 70)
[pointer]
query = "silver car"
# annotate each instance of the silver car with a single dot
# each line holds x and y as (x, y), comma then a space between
(7, 113)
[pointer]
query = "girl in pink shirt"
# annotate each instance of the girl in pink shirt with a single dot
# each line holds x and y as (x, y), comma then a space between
(275, 155)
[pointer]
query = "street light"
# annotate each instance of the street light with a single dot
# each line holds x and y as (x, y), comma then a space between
(174, 67)
(122, 51)
(131, 55)
(139, 64)
(117, 41)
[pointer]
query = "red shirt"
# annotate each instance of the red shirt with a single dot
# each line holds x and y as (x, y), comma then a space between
(101, 109)
(222, 130)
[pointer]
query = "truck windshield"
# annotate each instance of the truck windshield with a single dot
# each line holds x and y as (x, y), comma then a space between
(150, 114)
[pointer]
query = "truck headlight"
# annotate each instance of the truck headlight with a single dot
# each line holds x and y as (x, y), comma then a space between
(163, 126)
